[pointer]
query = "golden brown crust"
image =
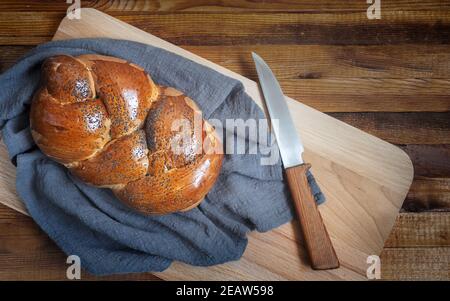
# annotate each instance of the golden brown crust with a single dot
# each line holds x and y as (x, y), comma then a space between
(106, 120)
(127, 97)
(67, 79)
(175, 190)
(172, 120)
(68, 132)
(121, 161)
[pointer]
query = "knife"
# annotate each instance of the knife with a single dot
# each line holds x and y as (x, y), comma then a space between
(318, 243)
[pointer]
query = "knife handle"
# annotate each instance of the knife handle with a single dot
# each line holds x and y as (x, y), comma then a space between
(318, 243)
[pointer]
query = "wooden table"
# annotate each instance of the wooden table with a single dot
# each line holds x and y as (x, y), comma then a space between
(389, 77)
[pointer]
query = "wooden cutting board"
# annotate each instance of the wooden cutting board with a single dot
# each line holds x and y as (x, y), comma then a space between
(365, 180)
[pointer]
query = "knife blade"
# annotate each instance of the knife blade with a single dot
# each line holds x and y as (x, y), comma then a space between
(320, 249)
(291, 147)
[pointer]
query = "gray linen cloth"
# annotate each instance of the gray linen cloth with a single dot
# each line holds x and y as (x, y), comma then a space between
(108, 236)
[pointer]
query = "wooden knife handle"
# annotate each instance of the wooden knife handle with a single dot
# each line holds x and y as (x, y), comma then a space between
(318, 243)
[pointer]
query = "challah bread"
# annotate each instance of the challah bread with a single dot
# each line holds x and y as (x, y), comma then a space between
(111, 125)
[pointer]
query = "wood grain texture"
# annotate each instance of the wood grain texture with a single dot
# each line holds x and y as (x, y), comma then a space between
(429, 160)
(158, 6)
(27, 253)
(411, 230)
(367, 51)
(396, 27)
(428, 194)
(321, 253)
(316, 61)
(415, 264)
(402, 128)
(330, 61)
(9, 55)
(356, 78)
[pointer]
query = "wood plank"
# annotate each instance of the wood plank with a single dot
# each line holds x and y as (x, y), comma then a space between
(28, 24)
(23, 40)
(316, 61)
(432, 161)
(158, 6)
(11, 54)
(350, 78)
(371, 94)
(50, 264)
(338, 78)
(428, 194)
(396, 27)
(334, 61)
(371, 87)
(415, 264)
(402, 128)
(420, 230)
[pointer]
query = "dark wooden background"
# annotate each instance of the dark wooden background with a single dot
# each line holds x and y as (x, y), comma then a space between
(389, 77)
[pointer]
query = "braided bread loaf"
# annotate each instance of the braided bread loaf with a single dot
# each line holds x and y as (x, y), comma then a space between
(107, 121)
